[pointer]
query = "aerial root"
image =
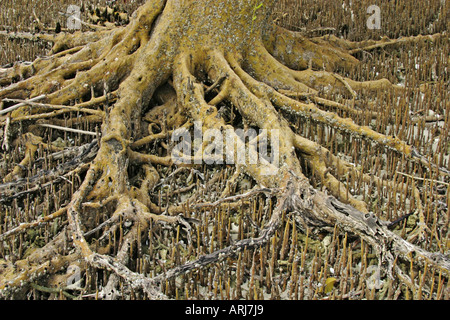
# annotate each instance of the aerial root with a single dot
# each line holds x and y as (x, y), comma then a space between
(99, 260)
(257, 112)
(192, 202)
(321, 159)
(320, 212)
(316, 153)
(94, 115)
(76, 52)
(350, 110)
(219, 255)
(310, 110)
(331, 81)
(110, 291)
(103, 184)
(230, 182)
(354, 48)
(107, 184)
(71, 75)
(265, 68)
(142, 158)
(22, 71)
(235, 198)
(52, 82)
(191, 96)
(222, 95)
(242, 98)
(372, 231)
(150, 138)
(31, 272)
(65, 42)
(317, 156)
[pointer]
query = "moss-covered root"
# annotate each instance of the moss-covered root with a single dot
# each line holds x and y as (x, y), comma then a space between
(297, 52)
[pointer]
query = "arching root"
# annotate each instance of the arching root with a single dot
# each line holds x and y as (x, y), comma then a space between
(299, 53)
(329, 52)
(364, 46)
(321, 210)
(329, 118)
(62, 74)
(317, 154)
(103, 261)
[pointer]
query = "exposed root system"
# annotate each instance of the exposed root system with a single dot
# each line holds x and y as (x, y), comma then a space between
(124, 91)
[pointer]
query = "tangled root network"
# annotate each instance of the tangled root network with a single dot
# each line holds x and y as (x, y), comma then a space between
(208, 66)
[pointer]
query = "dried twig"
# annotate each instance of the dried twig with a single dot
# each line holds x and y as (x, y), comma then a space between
(67, 129)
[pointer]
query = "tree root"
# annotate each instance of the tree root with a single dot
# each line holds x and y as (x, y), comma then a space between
(299, 53)
(147, 76)
(331, 119)
(372, 45)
